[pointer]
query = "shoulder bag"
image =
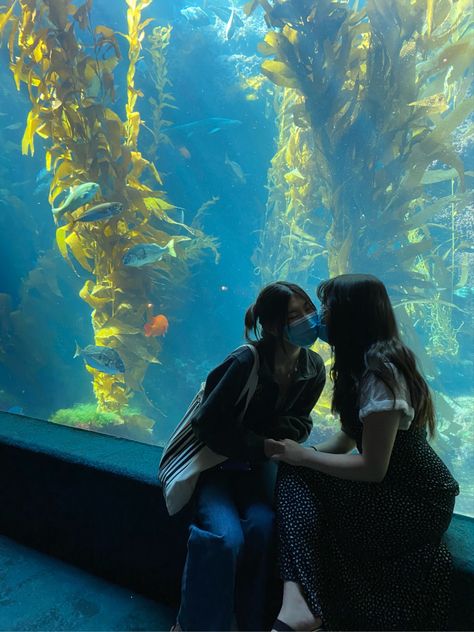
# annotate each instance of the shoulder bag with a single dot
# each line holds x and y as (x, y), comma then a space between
(185, 457)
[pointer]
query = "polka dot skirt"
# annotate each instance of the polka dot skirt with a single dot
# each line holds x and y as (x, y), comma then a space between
(369, 555)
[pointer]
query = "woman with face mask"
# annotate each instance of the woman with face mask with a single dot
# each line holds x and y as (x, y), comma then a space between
(230, 547)
(360, 533)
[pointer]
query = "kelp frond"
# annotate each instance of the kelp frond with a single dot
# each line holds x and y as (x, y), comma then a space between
(87, 142)
(378, 92)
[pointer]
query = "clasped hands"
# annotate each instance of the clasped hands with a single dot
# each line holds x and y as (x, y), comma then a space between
(286, 450)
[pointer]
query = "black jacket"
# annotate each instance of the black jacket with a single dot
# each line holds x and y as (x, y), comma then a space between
(216, 422)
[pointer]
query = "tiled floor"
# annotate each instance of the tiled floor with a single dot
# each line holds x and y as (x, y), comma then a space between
(38, 592)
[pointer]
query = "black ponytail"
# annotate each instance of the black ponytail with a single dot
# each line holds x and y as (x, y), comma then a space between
(251, 321)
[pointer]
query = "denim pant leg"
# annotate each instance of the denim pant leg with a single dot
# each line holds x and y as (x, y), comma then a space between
(214, 546)
(259, 553)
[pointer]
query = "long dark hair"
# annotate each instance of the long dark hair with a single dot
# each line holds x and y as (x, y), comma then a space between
(271, 309)
(363, 331)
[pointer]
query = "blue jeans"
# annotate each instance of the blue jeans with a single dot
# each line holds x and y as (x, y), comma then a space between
(230, 550)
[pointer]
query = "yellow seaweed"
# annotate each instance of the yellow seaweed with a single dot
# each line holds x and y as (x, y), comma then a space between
(371, 162)
(429, 16)
(86, 141)
(5, 17)
(87, 296)
(78, 251)
(280, 73)
(61, 233)
(117, 328)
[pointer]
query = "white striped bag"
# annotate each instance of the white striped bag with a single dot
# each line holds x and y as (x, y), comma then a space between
(185, 457)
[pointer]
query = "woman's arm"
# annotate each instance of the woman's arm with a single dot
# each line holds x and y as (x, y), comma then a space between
(380, 430)
(296, 423)
(216, 422)
(340, 443)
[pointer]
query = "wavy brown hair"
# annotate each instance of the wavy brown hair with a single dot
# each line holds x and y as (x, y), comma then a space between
(363, 331)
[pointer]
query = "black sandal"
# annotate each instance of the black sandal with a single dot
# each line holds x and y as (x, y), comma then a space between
(281, 626)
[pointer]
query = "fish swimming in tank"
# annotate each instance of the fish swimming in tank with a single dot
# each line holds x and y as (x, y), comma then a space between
(77, 196)
(224, 14)
(43, 174)
(13, 127)
(101, 212)
(43, 181)
(231, 25)
(464, 292)
(184, 152)
(204, 126)
(156, 326)
(196, 16)
(236, 168)
(104, 359)
(146, 254)
(435, 104)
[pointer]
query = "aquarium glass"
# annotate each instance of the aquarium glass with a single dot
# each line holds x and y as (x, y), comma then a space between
(165, 159)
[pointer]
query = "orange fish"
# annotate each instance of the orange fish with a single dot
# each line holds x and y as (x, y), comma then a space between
(184, 151)
(157, 326)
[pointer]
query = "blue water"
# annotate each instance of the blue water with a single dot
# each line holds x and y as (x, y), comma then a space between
(41, 319)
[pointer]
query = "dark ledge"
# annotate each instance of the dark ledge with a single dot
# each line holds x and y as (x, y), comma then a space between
(91, 449)
(95, 501)
(91, 500)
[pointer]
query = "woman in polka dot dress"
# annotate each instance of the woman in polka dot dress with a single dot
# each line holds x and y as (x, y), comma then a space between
(360, 534)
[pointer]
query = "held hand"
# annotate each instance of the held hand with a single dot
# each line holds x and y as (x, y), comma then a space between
(287, 451)
(272, 448)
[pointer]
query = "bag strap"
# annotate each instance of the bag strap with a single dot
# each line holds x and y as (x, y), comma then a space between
(252, 381)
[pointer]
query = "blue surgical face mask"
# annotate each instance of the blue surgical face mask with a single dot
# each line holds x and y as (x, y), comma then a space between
(323, 328)
(323, 331)
(303, 332)
(306, 330)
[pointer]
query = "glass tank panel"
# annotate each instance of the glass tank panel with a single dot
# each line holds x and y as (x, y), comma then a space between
(164, 160)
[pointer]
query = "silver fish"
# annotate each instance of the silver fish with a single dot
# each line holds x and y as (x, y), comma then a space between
(464, 291)
(104, 359)
(101, 211)
(43, 174)
(203, 126)
(145, 254)
(13, 126)
(196, 16)
(236, 168)
(231, 25)
(76, 197)
(224, 13)
(42, 186)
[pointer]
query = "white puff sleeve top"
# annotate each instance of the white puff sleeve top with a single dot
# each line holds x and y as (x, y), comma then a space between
(376, 397)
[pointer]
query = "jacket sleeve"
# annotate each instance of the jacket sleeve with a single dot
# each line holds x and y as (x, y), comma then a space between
(216, 422)
(296, 424)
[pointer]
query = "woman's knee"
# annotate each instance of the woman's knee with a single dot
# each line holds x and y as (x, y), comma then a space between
(223, 543)
(259, 524)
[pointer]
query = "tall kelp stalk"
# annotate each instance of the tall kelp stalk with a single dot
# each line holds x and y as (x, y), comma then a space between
(157, 44)
(381, 89)
(289, 246)
(87, 142)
